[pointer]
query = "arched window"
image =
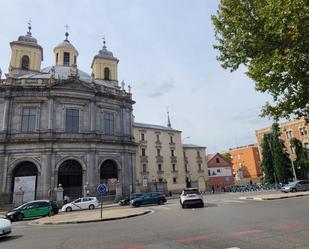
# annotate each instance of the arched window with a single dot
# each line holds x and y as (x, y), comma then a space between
(25, 62)
(106, 73)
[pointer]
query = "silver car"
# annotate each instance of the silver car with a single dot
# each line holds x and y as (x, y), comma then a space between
(301, 185)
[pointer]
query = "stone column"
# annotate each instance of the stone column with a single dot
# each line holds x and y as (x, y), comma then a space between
(91, 171)
(92, 116)
(46, 176)
(50, 113)
(5, 114)
(59, 195)
(6, 178)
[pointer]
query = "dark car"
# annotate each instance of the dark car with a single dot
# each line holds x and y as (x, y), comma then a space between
(33, 209)
(126, 201)
(149, 198)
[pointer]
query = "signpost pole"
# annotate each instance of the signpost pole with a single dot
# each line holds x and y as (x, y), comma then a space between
(101, 190)
(101, 206)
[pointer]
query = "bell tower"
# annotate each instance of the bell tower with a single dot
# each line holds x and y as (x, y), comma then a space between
(65, 53)
(27, 54)
(104, 65)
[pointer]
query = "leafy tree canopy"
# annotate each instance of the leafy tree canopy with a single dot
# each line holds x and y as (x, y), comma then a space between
(271, 38)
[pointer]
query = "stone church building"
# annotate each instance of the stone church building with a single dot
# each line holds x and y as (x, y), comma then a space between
(60, 125)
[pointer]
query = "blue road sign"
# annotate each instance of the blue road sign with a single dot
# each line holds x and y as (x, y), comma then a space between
(102, 188)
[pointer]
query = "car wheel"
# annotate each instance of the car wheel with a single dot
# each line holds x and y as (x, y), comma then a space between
(160, 202)
(202, 204)
(137, 204)
(91, 206)
(68, 209)
(19, 217)
(294, 190)
(183, 206)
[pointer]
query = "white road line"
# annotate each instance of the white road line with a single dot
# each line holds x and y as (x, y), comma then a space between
(233, 248)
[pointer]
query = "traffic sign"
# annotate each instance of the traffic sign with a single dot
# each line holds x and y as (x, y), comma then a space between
(102, 189)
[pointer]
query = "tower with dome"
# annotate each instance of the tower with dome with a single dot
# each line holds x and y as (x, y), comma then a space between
(60, 125)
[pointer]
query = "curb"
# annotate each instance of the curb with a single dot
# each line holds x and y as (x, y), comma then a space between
(89, 221)
(270, 198)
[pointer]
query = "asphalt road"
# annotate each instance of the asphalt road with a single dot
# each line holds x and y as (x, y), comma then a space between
(225, 222)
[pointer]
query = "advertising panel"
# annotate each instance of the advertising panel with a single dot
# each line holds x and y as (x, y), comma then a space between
(26, 184)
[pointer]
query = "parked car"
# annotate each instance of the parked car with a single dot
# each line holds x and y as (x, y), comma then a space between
(126, 200)
(191, 197)
(5, 227)
(81, 203)
(301, 185)
(33, 209)
(149, 198)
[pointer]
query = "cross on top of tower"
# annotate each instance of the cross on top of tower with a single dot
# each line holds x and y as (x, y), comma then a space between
(66, 33)
(29, 27)
(104, 42)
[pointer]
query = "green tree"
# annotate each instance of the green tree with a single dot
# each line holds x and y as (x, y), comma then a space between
(228, 156)
(267, 161)
(281, 161)
(301, 163)
(271, 38)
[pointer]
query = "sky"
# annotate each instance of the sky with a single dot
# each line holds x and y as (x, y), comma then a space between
(165, 51)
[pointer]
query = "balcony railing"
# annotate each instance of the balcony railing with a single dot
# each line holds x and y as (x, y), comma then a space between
(160, 172)
(173, 159)
(159, 159)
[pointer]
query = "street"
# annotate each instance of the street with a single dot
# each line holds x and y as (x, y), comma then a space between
(225, 222)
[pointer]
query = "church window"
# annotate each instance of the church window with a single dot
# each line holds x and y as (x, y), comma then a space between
(217, 160)
(143, 152)
(106, 73)
(57, 55)
(72, 120)
(75, 60)
(199, 167)
(144, 168)
(174, 167)
(66, 59)
(158, 152)
(108, 123)
(25, 62)
(174, 180)
(28, 120)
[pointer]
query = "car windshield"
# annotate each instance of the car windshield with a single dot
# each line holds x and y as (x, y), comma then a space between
(21, 206)
(292, 183)
(191, 191)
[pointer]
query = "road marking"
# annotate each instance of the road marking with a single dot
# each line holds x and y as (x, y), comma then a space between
(234, 201)
(296, 225)
(247, 232)
(233, 248)
(132, 247)
(190, 239)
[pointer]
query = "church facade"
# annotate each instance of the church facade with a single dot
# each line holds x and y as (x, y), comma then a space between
(60, 125)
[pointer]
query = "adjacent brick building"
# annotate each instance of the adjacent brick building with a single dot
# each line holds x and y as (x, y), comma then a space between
(294, 128)
(219, 172)
(246, 164)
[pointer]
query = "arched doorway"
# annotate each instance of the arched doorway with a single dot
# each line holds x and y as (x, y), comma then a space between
(109, 175)
(70, 176)
(24, 177)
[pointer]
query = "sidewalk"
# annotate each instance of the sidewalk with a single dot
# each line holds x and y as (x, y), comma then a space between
(91, 216)
(276, 196)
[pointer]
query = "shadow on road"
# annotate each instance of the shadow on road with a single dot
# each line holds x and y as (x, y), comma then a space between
(10, 237)
(208, 205)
